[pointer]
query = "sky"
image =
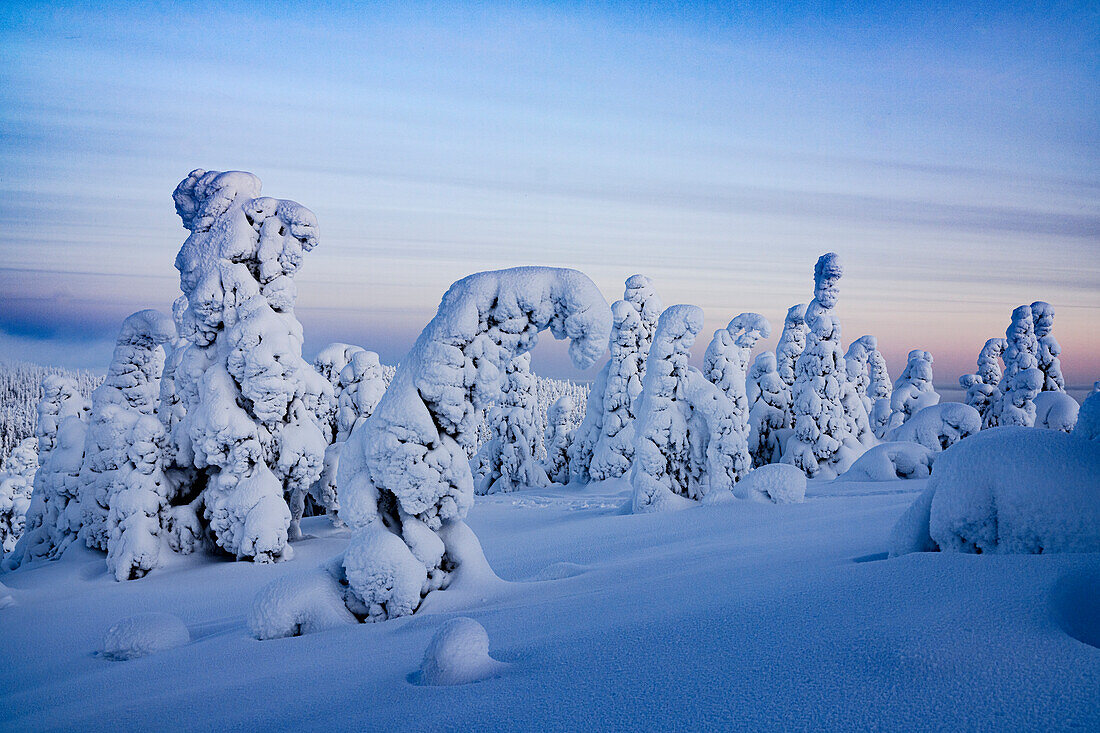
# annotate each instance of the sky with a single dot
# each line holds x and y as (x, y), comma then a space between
(950, 153)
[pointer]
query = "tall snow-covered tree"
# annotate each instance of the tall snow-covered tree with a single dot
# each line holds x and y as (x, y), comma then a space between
(1048, 350)
(769, 411)
(687, 441)
(641, 294)
(556, 439)
(1022, 380)
(818, 445)
(614, 447)
(855, 392)
(404, 475)
(132, 389)
(792, 342)
(981, 386)
(256, 412)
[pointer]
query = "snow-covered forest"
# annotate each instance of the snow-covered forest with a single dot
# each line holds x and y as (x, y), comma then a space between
(391, 492)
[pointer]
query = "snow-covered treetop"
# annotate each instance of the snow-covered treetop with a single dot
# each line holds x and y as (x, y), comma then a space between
(332, 359)
(856, 359)
(791, 342)
(643, 296)
(827, 274)
(1042, 314)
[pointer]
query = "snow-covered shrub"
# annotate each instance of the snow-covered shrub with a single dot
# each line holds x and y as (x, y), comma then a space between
(614, 448)
(256, 412)
(558, 435)
(404, 475)
(1048, 350)
(913, 391)
(53, 517)
(1088, 418)
(686, 440)
(16, 486)
(892, 461)
(458, 654)
(769, 411)
(1056, 411)
(792, 342)
(1008, 490)
(304, 603)
(938, 427)
(821, 445)
(508, 459)
(779, 484)
(142, 635)
(131, 390)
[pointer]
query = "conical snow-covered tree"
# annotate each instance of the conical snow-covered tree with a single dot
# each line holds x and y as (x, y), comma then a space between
(1048, 348)
(53, 518)
(508, 459)
(557, 438)
(817, 446)
(913, 391)
(404, 475)
(769, 405)
(132, 389)
(614, 447)
(16, 486)
(879, 391)
(687, 443)
(792, 342)
(256, 412)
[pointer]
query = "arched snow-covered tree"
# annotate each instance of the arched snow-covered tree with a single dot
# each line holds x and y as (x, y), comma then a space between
(508, 458)
(1048, 349)
(557, 437)
(404, 475)
(256, 412)
(614, 447)
(132, 389)
(821, 445)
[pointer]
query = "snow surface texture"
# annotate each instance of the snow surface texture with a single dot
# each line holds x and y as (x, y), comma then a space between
(458, 655)
(507, 460)
(53, 517)
(890, 461)
(938, 427)
(404, 475)
(1008, 490)
(142, 635)
(304, 603)
(779, 484)
(256, 412)
(821, 445)
(687, 441)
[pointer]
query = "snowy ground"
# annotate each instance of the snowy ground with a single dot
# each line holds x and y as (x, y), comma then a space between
(739, 615)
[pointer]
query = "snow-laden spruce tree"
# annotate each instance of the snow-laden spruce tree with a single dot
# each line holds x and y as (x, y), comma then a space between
(329, 363)
(1048, 351)
(1014, 400)
(792, 342)
(687, 444)
(132, 389)
(879, 391)
(256, 412)
(769, 406)
(981, 387)
(913, 390)
(404, 477)
(507, 460)
(557, 438)
(53, 518)
(621, 376)
(614, 448)
(16, 486)
(818, 445)
(855, 392)
(725, 364)
(989, 366)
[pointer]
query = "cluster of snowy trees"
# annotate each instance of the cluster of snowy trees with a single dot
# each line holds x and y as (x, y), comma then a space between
(211, 430)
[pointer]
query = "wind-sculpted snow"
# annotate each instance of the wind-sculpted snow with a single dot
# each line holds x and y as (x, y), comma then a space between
(938, 427)
(891, 461)
(256, 412)
(557, 438)
(687, 440)
(404, 476)
(507, 460)
(1008, 490)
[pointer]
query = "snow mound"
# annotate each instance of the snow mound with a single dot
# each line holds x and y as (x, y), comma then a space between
(298, 604)
(938, 427)
(458, 654)
(1088, 419)
(558, 571)
(1056, 411)
(1009, 490)
(144, 634)
(890, 461)
(779, 483)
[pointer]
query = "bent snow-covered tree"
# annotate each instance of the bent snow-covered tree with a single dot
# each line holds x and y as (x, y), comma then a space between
(131, 389)
(404, 475)
(255, 410)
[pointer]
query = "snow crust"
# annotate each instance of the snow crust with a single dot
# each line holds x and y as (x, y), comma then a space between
(458, 655)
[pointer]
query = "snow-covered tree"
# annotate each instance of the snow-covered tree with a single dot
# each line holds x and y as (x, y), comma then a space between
(614, 447)
(879, 392)
(769, 405)
(792, 342)
(981, 387)
(1014, 400)
(977, 393)
(687, 442)
(329, 363)
(556, 439)
(132, 389)
(913, 391)
(404, 475)
(938, 427)
(989, 368)
(818, 446)
(16, 485)
(588, 432)
(855, 392)
(1048, 349)
(53, 518)
(507, 460)
(641, 294)
(256, 412)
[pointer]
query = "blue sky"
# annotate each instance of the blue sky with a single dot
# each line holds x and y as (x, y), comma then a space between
(950, 154)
